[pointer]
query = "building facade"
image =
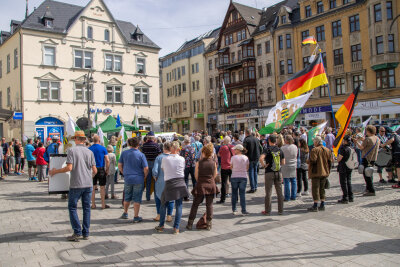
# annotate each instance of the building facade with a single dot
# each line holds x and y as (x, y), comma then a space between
(183, 83)
(64, 56)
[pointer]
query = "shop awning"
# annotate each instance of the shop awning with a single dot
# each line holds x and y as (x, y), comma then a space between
(5, 114)
(245, 42)
(108, 126)
(385, 66)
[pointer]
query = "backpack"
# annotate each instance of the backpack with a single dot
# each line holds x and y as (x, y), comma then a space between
(352, 161)
(276, 161)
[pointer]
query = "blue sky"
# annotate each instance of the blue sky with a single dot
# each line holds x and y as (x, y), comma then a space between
(168, 23)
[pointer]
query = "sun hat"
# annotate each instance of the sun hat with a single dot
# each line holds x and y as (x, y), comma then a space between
(239, 147)
(78, 134)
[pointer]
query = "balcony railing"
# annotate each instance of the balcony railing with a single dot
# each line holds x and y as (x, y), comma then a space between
(356, 65)
(239, 107)
(385, 58)
(241, 83)
(338, 69)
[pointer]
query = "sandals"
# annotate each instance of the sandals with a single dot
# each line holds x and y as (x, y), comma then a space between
(106, 207)
(93, 207)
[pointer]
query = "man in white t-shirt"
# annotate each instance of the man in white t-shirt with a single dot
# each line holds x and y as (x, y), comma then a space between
(303, 133)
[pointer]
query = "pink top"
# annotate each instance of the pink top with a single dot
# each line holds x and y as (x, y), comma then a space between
(239, 163)
(226, 156)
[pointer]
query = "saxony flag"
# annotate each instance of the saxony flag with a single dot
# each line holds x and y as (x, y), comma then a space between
(303, 81)
(224, 92)
(309, 40)
(343, 116)
(317, 130)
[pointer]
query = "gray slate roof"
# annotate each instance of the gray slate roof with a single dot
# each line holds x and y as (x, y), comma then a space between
(250, 14)
(65, 15)
(210, 34)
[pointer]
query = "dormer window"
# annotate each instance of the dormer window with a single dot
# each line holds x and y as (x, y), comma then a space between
(48, 19)
(48, 23)
(283, 19)
(137, 34)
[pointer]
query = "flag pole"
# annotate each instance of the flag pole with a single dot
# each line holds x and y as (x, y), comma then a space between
(329, 90)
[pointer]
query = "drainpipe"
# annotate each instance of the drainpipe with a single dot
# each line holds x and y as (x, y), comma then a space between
(21, 84)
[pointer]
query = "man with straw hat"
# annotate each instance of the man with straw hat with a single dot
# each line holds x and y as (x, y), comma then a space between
(82, 165)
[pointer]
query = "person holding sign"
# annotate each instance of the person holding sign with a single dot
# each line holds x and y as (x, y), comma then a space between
(82, 165)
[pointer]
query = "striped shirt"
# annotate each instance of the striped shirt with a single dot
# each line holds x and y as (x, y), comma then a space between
(151, 150)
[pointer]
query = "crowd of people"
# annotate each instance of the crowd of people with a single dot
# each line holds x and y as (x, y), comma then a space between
(159, 166)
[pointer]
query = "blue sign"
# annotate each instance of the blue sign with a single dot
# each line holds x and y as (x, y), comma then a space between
(40, 132)
(107, 111)
(18, 116)
(49, 121)
(316, 109)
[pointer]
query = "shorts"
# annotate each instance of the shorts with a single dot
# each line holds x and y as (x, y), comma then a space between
(17, 160)
(133, 193)
(396, 161)
(31, 164)
(100, 176)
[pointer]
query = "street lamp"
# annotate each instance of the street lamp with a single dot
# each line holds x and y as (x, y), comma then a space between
(88, 79)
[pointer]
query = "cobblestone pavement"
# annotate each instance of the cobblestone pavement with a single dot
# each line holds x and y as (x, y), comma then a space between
(33, 227)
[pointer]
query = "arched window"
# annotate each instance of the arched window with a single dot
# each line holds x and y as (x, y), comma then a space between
(269, 92)
(90, 32)
(106, 35)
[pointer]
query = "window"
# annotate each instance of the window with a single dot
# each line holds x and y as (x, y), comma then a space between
(197, 67)
(306, 61)
(81, 93)
(8, 96)
(15, 58)
(305, 34)
(217, 84)
(114, 63)
(337, 28)
(211, 83)
(233, 57)
(357, 80)
(141, 66)
(282, 67)
(338, 56)
(390, 43)
(320, 30)
(240, 75)
(179, 89)
(89, 32)
(280, 42)
(241, 98)
(250, 51)
(356, 53)
(324, 59)
(377, 12)
(183, 87)
(385, 79)
(239, 55)
(49, 56)
(269, 94)
(113, 94)
(49, 23)
(193, 86)
(346, 2)
(308, 11)
(233, 79)
(260, 71)
(251, 73)
(243, 34)
(226, 77)
(142, 95)
(259, 50)
(253, 97)
(202, 105)
(267, 47)
(283, 19)
(289, 66)
(323, 91)
(8, 63)
(239, 36)
(179, 73)
(269, 70)
(83, 59)
(332, 4)
(234, 99)
(106, 35)
(49, 91)
(198, 85)
(354, 22)
(1, 68)
(340, 86)
(320, 7)
(288, 41)
(184, 106)
(192, 68)
(389, 10)
(379, 45)
(183, 70)
(210, 65)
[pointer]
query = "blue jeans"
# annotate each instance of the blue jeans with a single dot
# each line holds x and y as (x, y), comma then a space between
(239, 184)
(290, 188)
(358, 152)
(148, 180)
(253, 176)
(73, 196)
(178, 213)
(170, 206)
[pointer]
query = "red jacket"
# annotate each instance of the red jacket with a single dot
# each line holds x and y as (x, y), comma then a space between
(39, 156)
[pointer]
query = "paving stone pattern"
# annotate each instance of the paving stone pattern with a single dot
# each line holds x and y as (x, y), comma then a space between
(34, 224)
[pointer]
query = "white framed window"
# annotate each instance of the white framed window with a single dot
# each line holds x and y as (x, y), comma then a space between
(113, 63)
(113, 94)
(49, 91)
(141, 65)
(49, 23)
(141, 95)
(83, 59)
(49, 55)
(81, 92)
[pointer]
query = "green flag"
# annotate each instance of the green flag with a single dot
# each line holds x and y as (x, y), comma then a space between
(312, 133)
(395, 128)
(225, 95)
(94, 122)
(135, 121)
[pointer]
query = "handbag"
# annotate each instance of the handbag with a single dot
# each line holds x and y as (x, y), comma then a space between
(202, 223)
(368, 170)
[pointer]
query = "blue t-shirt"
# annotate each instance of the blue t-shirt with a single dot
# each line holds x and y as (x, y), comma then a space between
(133, 162)
(28, 152)
(99, 152)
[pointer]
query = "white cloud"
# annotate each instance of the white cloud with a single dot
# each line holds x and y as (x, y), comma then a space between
(168, 23)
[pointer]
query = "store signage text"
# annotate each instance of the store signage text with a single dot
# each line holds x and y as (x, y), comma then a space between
(238, 116)
(316, 109)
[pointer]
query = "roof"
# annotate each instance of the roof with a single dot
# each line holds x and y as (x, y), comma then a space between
(210, 34)
(66, 14)
(250, 14)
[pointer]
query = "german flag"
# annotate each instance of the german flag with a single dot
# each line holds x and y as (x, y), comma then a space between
(303, 81)
(343, 116)
(309, 40)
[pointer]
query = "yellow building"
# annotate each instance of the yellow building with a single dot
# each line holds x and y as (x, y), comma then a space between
(183, 84)
(44, 60)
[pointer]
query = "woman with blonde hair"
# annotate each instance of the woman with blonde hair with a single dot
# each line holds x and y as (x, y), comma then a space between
(205, 173)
